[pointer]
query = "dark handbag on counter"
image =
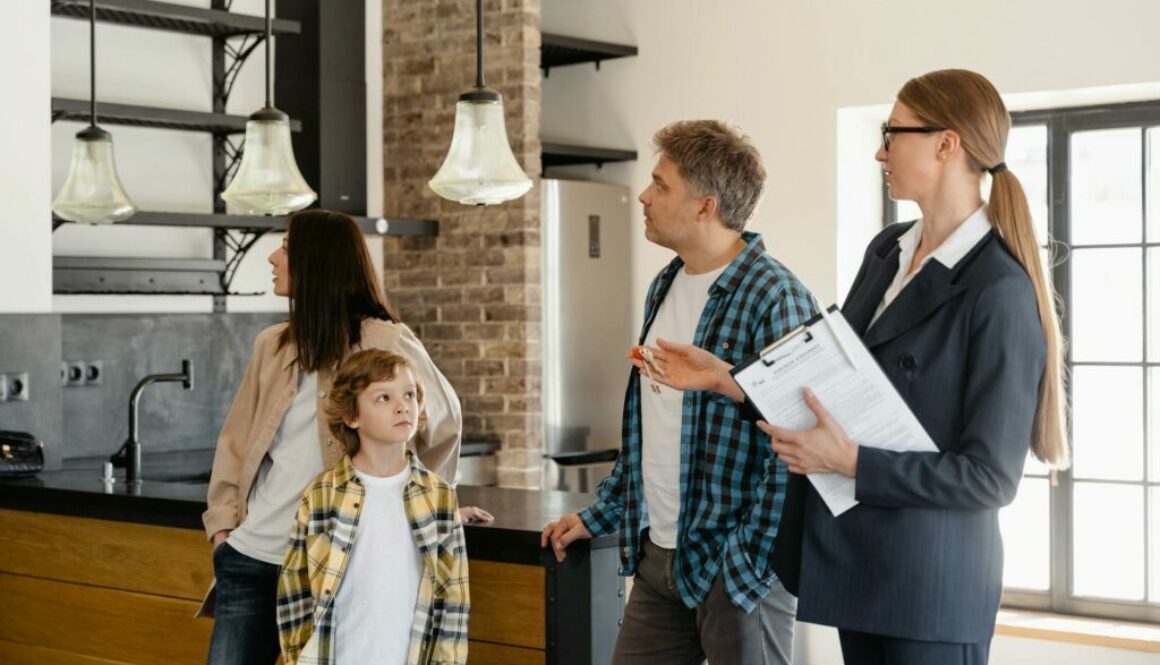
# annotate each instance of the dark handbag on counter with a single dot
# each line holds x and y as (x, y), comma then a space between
(20, 455)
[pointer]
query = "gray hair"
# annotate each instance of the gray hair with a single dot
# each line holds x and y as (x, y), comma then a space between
(716, 160)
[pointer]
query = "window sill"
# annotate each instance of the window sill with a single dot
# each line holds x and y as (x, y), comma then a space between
(1079, 630)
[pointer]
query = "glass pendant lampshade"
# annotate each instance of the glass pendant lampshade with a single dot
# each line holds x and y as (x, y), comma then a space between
(92, 192)
(480, 168)
(268, 181)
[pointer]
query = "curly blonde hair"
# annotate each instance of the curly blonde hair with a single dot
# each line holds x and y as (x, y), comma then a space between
(356, 373)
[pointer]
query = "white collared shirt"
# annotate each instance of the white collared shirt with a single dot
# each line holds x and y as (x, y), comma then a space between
(952, 250)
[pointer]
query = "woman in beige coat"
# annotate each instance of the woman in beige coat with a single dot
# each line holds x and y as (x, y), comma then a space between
(273, 444)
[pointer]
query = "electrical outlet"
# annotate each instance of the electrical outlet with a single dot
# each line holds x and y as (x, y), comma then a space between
(94, 372)
(17, 386)
(74, 374)
(3, 388)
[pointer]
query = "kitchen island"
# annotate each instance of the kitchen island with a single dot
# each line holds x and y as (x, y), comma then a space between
(91, 574)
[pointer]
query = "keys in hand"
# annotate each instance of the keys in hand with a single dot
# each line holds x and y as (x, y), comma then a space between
(650, 366)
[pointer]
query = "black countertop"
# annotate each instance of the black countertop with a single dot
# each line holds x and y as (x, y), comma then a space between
(77, 490)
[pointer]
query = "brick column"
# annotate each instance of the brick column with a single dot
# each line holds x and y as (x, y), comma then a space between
(472, 294)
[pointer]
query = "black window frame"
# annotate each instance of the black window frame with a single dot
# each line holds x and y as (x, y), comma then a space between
(1061, 124)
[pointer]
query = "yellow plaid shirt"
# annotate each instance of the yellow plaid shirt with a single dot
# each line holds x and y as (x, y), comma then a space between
(327, 525)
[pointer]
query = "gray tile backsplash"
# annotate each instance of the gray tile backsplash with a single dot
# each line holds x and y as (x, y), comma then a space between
(31, 343)
(93, 420)
(96, 418)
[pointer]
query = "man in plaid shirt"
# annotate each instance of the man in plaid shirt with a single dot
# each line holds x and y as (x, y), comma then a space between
(697, 493)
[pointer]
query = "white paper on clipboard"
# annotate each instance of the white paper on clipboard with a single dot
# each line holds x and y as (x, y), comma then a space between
(826, 356)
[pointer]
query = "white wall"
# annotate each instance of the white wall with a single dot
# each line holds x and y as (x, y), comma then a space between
(810, 81)
(161, 169)
(25, 186)
(783, 70)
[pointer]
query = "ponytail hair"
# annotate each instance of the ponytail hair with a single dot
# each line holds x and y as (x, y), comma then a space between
(970, 105)
(1008, 211)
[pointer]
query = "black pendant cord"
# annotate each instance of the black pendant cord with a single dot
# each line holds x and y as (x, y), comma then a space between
(479, 43)
(269, 45)
(92, 63)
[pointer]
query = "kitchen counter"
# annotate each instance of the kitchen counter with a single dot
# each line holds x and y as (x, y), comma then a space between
(77, 491)
(526, 607)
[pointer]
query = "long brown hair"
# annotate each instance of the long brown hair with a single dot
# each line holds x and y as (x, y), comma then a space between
(967, 103)
(333, 288)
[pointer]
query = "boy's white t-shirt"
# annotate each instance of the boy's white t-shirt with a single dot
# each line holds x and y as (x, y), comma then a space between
(375, 603)
(661, 413)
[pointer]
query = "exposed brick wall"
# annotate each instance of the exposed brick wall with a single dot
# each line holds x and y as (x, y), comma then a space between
(472, 294)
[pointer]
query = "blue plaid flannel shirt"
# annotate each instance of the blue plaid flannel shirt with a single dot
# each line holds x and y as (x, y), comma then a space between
(732, 485)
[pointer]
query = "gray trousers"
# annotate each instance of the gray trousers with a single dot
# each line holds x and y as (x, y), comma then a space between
(867, 649)
(658, 628)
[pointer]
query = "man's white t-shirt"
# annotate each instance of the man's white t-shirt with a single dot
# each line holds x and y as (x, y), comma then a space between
(293, 461)
(375, 604)
(676, 321)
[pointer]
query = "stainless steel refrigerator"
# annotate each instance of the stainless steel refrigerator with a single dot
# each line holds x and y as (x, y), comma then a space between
(587, 330)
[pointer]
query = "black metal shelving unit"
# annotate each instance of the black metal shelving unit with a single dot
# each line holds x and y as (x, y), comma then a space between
(118, 275)
(561, 51)
(235, 37)
(563, 154)
(255, 223)
(77, 110)
(199, 277)
(174, 18)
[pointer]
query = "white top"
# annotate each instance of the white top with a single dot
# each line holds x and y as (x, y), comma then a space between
(375, 603)
(952, 250)
(293, 461)
(660, 414)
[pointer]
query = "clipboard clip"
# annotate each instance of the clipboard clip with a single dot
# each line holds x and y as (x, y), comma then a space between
(765, 354)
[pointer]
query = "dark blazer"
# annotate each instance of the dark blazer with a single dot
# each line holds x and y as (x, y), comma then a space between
(920, 557)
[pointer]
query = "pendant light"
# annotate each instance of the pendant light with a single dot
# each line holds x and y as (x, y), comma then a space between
(92, 192)
(480, 168)
(268, 181)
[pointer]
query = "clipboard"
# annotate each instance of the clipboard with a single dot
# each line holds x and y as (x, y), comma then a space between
(766, 355)
(827, 356)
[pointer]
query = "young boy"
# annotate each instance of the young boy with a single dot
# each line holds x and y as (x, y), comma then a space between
(377, 567)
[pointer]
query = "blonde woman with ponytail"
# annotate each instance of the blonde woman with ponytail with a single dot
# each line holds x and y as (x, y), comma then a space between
(957, 311)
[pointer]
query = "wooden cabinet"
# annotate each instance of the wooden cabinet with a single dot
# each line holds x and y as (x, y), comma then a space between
(80, 590)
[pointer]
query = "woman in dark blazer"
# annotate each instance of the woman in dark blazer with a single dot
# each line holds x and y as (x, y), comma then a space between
(956, 310)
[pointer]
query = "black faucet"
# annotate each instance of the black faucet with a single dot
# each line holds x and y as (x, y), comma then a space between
(129, 455)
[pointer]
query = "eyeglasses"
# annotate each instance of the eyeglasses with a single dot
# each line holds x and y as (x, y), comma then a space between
(887, 130)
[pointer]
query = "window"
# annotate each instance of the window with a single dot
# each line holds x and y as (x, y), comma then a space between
(1091, 544)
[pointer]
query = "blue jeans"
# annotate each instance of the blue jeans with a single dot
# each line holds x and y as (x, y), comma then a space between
(245, 628)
